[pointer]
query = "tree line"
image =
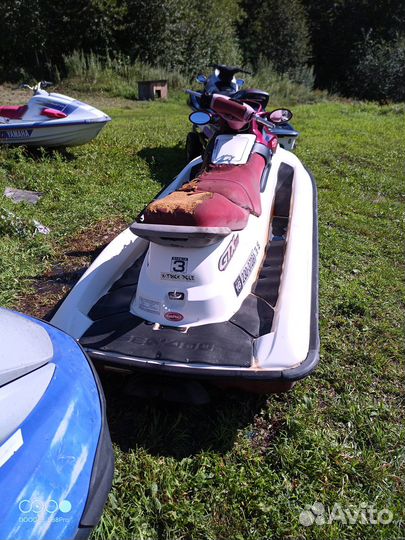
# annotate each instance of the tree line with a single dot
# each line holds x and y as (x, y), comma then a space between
(352, 47)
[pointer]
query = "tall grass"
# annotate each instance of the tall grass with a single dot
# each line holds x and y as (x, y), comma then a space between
(119, 77)
(116, 76)
(290, 88)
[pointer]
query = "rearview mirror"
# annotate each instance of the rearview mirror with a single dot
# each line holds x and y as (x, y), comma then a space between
(280, 116)
(200, 118)
(240, 82)
(201, 78)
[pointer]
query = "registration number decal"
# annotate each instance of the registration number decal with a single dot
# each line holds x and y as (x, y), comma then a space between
(176, 277)
(244, 274)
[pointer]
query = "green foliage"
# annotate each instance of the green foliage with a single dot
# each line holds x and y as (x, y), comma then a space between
(342, 34)
(12, 225)
(182, 35)
(380, 71)
(40, 31)
(281, 88)
(277, 32)
(177, 34)
(340, 45)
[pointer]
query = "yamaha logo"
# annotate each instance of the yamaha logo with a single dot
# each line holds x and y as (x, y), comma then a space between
(174, 316)
(228, 253)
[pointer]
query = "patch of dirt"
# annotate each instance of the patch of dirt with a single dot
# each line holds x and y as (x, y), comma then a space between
(70, 263)
(265, 430)
(12, 95)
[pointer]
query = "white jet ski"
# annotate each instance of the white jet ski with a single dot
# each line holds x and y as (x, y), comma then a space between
(50, 120)
(218, 277)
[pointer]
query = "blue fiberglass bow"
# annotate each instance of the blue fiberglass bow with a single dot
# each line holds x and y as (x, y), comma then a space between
(56, 460)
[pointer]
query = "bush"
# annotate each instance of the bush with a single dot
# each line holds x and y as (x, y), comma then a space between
(380, 71)
(284, 90)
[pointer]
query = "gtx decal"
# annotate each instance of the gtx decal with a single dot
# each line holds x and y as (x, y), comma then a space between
(227, 255)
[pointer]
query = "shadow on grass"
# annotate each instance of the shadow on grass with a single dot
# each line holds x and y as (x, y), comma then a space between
(178, 430)
(164, 162)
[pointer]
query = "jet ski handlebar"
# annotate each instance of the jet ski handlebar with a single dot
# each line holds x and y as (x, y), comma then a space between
(229, 70)
(239, 111)
(38, 86)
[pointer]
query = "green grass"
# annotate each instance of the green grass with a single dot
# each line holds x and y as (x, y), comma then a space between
(244, 467)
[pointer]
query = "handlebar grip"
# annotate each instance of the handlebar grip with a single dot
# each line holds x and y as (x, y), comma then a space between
(223, 105)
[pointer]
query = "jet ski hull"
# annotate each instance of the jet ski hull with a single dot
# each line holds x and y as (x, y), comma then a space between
(50, 120)
(52, 133)
(57, 464)
(270, 341)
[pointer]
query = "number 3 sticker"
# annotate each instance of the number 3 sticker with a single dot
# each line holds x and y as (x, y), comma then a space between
(179, 264)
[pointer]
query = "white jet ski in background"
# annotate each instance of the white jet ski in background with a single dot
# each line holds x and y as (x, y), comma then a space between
(50, 120)
(218, 277)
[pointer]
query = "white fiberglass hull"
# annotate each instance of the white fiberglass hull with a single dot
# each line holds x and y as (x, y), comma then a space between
(247, 312)
(49, 134)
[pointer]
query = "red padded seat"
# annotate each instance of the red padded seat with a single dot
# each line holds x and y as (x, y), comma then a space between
(223, 196)
(53, 113)
(238, 183)
(15, 112)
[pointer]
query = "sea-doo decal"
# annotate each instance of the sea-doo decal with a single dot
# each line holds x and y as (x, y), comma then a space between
(172, 343)
(176, 277)
(240, 281)
(227, 255)
(179, 264)
(147, 304)
(15, 133)
(174, 316)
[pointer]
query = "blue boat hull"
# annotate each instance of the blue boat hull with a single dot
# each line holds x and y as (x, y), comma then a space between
(56, 484)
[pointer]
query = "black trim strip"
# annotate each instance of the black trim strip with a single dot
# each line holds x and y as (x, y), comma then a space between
(103, 465)
(265, 177)
(262, 150)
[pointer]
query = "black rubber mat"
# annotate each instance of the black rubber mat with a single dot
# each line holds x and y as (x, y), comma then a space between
(255, 316)
(228, 343)
(216, 344)
(118, 299)
(268, 283)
